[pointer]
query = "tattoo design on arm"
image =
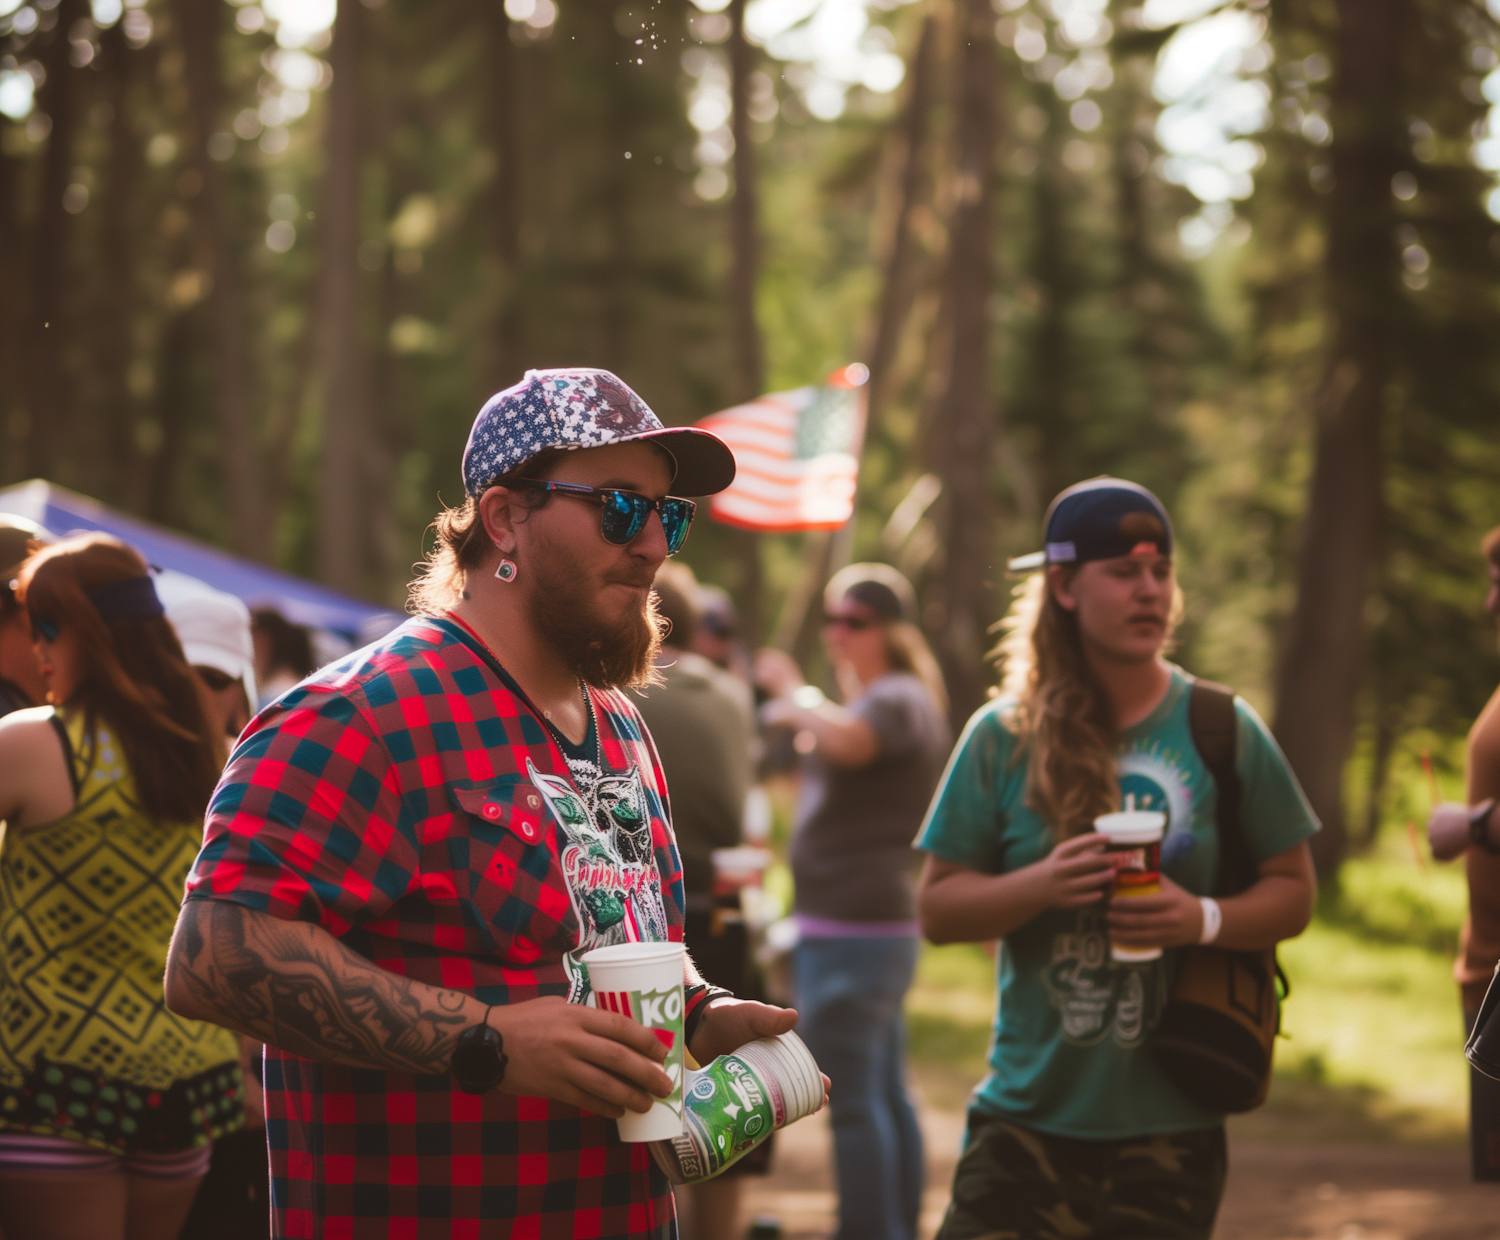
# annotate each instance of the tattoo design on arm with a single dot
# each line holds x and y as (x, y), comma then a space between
(294, 985)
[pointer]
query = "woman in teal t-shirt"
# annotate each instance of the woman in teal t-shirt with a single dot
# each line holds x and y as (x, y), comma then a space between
(1075, 1130)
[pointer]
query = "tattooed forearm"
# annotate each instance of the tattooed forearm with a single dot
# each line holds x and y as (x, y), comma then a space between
(294, 985)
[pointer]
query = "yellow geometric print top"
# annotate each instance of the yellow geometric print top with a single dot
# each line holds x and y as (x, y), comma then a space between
(87, 907)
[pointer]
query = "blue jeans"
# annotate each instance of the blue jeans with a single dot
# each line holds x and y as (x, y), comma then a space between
(849, 993)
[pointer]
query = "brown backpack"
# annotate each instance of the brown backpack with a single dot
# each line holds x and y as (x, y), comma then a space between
(1217, 1032)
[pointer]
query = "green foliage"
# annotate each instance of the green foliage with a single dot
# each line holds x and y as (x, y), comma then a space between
(503, 226)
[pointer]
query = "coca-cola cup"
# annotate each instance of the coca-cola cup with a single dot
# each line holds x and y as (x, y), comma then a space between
(1134, 851)
(644, 982)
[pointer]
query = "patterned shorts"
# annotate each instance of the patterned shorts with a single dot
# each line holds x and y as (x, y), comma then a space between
(1014, 1183)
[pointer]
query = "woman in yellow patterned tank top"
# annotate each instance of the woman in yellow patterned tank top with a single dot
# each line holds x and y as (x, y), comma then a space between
(108, 1102)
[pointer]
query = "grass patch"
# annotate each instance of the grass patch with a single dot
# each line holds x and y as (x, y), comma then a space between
(1373, 1045)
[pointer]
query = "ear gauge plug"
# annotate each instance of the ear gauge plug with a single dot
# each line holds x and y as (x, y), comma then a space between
(506, 571)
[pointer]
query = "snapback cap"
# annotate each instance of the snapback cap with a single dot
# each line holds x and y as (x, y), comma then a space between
(579, 408)
(1101, 519)
(213, 627)
(881, 588)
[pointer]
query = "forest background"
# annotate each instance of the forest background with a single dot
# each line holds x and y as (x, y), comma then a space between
(263, 262)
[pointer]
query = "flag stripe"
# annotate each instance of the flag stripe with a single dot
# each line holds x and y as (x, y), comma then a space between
(774, 489)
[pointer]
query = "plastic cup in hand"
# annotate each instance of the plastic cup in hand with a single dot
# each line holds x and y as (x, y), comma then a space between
(644, 982)
(737, 1102)
(1134, 850)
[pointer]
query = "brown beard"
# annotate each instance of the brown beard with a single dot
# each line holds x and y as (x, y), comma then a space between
(603, 653)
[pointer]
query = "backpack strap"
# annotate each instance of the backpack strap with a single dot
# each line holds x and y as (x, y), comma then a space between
(1215, 731)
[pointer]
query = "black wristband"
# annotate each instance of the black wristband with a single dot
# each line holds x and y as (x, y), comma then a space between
(696, 999)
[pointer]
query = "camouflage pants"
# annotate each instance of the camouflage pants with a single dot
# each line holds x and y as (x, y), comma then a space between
(1013, 1183)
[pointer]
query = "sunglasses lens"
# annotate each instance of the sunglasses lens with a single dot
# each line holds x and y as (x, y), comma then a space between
(624, 516)
(676, 516)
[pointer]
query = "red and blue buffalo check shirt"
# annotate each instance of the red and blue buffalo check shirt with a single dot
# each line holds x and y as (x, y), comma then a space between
(410, 801)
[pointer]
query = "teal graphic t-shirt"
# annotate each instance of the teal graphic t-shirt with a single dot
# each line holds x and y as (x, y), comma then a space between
(1069, 1054)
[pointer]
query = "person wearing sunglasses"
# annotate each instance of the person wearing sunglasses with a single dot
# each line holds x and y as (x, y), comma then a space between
(21, 683)
(109, 1103)
(871, 765)
(411, 850)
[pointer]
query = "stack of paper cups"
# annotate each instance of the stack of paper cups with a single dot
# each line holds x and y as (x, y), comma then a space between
(736, 1103)
(644, 982)
(790, 1071)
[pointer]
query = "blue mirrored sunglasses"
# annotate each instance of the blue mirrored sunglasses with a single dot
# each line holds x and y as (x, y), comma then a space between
(622, 514)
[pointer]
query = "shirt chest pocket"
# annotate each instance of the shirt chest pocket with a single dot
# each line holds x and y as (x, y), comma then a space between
(502, 854)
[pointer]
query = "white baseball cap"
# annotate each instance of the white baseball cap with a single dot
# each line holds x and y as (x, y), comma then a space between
(213, 627)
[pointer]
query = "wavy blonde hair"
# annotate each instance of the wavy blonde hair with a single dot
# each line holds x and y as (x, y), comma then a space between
(1060, 713)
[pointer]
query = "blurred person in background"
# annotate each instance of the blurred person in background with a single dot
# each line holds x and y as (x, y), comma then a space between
(869, 773)
(702, 721)
(283, 653)
(1471, 829)
(214, 629)
(21, 682)
(1076, 1130)
(716, 636)
(108, 1102)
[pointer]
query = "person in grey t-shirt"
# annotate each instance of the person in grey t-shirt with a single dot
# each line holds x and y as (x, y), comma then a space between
(871, 768)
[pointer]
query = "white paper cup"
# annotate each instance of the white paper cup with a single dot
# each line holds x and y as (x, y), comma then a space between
(644, 982)
(1134, 849)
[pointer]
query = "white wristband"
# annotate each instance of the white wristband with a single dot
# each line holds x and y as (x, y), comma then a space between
(1213, 919)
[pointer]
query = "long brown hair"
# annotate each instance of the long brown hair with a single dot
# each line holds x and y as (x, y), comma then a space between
(134, 676)
(906, 650)
(1061, 713)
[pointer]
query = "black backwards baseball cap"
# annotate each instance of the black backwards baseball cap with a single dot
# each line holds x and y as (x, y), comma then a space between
(1101, 519)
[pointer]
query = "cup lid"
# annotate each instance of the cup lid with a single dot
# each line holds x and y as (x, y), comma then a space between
(1139, 826)
(632, 953)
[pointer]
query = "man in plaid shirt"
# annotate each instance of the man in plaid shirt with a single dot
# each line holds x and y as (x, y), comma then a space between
(410, 851)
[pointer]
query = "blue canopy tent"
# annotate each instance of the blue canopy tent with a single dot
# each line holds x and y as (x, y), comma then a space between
(62, 512)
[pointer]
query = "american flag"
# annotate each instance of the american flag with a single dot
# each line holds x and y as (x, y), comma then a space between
(797, 455)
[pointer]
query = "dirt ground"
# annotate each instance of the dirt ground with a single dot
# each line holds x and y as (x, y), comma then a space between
(1280, 1188)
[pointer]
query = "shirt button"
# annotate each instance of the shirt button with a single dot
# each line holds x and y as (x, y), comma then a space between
(528, 831)
(491, 810)
(533, 801)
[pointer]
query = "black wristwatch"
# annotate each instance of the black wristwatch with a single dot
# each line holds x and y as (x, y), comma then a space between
(1479, 825)
(478, 1063)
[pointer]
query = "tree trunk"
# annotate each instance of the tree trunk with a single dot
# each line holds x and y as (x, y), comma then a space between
(744, 243)
(504, 126)
(1319, 675)
(964, 431)
(618, 184)
(49, 411)
(118, 238)
(12, 311)
(200, 23)
(744, 236)
(1053, 268)
(895, 299)
(341, 514)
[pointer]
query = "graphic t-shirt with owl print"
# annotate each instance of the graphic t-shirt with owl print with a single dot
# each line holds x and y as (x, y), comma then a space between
(411, 801)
